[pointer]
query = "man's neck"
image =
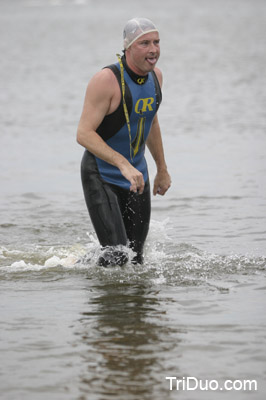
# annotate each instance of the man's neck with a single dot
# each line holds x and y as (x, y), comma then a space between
(139, 79)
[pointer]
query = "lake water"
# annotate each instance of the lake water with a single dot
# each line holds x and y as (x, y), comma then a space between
(196, 308)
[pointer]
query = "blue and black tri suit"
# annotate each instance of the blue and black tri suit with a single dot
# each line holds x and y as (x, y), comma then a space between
(120, 216)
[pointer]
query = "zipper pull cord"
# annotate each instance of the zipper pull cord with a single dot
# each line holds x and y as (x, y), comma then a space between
(124, 103)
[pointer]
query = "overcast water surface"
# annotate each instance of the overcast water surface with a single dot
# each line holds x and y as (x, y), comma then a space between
(196, 308)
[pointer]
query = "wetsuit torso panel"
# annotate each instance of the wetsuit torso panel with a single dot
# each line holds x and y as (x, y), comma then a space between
(142, 103)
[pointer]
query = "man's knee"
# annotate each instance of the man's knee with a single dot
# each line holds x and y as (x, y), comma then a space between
(137, 259)
(112, 257)
(137, 248)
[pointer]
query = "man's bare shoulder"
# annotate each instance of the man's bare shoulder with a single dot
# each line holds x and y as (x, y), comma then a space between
(103, 81)
(159, 75)
(103, 92)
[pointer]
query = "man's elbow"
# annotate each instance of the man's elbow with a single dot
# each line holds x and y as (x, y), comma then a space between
(80, 137)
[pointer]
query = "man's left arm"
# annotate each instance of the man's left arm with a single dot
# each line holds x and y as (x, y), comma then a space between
(162, 180)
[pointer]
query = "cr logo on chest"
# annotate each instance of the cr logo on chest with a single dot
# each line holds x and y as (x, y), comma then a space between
(143, 104)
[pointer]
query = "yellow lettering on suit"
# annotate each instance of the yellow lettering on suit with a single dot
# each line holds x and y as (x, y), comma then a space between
(142, 105)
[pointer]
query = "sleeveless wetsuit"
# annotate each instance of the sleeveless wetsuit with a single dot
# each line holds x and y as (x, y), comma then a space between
(119, 216)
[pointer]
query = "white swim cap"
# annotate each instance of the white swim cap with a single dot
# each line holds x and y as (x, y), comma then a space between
(135, 28)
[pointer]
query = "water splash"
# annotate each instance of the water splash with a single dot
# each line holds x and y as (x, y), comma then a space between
(166, 263)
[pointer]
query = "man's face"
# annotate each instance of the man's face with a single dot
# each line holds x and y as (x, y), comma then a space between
(144, 53)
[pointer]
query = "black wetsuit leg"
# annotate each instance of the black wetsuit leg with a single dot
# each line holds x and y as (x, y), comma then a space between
(104, 212)
(118, 216)
(136, 210)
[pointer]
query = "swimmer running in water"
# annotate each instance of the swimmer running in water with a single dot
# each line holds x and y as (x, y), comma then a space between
(119, 118)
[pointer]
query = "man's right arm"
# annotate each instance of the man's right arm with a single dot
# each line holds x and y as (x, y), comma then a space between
(97, 104)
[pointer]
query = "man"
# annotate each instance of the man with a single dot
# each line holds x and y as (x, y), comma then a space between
(118, 119)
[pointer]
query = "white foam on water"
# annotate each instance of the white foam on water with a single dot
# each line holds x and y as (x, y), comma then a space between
(44, 258)
(165, 262)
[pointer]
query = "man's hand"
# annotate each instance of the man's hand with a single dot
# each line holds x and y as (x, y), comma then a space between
(134, 177)
(162, 182)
